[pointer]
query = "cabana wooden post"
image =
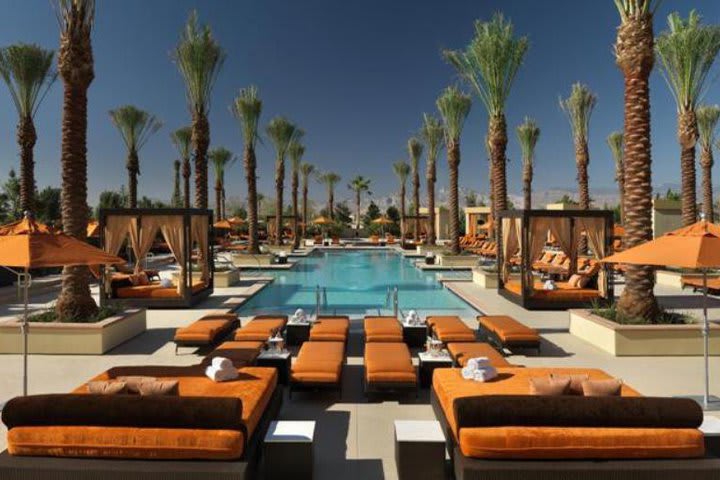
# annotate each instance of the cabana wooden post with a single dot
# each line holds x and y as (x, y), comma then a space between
(191, 294)
(548, 300)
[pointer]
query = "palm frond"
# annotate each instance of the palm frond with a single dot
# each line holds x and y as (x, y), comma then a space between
(247, 108)
(616, 142)
(135, 125)
(221, 159)
(359, 184)
(27, 71)
(491, 61)
(579, 107)
(306, 170)
(182, 139)
(281, 132)
(687, 52)
(415, 149)
(432, 132)
(296, 150)
(528, 134)
(199, 58)
(329, 179)
(402, 171)
(78, 14)
(629, 9)
(707, 119)
(454, 107)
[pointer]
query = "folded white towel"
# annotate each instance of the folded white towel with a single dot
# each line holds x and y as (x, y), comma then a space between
(221, 375)
(478, 362)
(166, 283)
(484, 374)
(468, 373)
(221, 363)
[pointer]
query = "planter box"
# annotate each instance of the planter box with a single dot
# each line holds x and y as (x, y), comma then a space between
(73, 338)
(642, 340)
(224, 279)
(484, 278)
(458, 260)
(276, 250)
(672, 278)
(250, 261)
(436, 249)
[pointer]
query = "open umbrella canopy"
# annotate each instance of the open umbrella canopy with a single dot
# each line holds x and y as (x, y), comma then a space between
(235, 221)
(223, 225)
(28, 244)
(322, 221)
(93, 228)
(382, 221)
(696, 246)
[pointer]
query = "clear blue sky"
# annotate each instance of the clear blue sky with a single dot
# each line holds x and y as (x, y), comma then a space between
(355, 75)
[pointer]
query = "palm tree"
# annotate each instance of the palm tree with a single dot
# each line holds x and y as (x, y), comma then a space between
(687, 52)
(454, 107)
(182, 138)
(528, 134)
(26, 69)
(707, 119)
(296, 150)
(177, 198)
(76, 68)
(432, 133)
(247, 107)
(330, 179)
(489, 65)
(402, 171)
(415, 149)
(359, 185)
(135, 127)
(281, 133)
(635, 57)
(199, 58)
(306, 169)
(615, 142)
(221, 159)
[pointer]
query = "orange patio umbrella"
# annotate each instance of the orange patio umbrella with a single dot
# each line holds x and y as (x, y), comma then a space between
(223, 225)
(27, 244)
(321, 220)
(382, 221)
(93, 228)
(694, 247)
(235, 221)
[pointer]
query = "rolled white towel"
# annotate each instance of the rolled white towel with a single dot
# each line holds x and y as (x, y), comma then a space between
(484, 374)
(468, 373)
(166, 283)
(221, 375)
(478, 362)
(222, 363)
(299, 315)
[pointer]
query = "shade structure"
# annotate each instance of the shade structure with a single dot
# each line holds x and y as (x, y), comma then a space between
(236, 221)
(696, 247)
(24, 226)
(321, 220)
(223, 225)
(383, 221)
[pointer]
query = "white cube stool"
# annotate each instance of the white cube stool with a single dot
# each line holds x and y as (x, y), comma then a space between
(288, 450)
(419, 449)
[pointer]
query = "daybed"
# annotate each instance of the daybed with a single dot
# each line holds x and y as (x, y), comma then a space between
(205, 332)
(383, 329)
(207, 430)
(563, 293)
(497, 430)
(153, 290)
(506, 332)
(450, 328)
(388, 367)
(330, 329)
(260, 328)
(318, 366)
(461, 352)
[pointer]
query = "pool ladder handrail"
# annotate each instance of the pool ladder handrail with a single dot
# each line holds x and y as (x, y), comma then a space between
(320, 299)
(392, 293)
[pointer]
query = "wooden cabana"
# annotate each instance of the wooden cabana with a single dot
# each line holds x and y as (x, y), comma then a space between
(187, 233)
(478, 220)
(538, 278)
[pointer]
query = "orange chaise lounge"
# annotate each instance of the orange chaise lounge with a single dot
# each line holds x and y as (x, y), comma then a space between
(203, 429)
(330, 329)
(461, 352)
(318, 366)
(388, 367)
(260, 328)
(506, 332)
(382, 329)
(207, 331)
(450, 328)
(499, 429)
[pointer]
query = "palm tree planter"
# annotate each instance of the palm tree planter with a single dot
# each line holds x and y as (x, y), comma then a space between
(485, 279)
(222, 278)
(249, 261)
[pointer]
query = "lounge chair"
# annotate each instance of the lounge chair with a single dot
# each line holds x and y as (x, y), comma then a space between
(450, 329)
(330, 329)
(207, 331)
(696, 283)
(242, 354)
(318, 366)
(260, 328)
(388, 367)
(461, 352)
(506, 332)
(383, 329)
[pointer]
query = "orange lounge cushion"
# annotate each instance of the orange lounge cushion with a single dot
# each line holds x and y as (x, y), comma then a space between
(240, 353)
(260, 329)
(319, 362)
(330, 329)
(463, 351)
(383, 329)
(508, 329)
(202, 330)
(126, 442)
(564, 292)
(388, 363)
(580, 443)
(448, 384)
(451, 329)
(154, 290)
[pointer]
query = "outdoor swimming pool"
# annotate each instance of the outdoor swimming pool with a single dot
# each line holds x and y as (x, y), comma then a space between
(356, 282)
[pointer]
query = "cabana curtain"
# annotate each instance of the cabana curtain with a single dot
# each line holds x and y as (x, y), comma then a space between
(171, 227)
(199, 226)
(595, 231)
(116, 230)
(537, 236)
(561, 229)
(141, 239)
(509, 244)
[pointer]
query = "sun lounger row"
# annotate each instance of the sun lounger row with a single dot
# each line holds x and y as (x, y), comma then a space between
(207, 331)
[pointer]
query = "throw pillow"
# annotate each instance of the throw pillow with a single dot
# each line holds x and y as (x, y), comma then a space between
(576, 382)
(602, 388)
(160, 387)
(133, 382)
(549, 386)
(107, 388)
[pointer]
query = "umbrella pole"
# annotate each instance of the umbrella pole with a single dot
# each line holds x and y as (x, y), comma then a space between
(706, 341)
(26, 287)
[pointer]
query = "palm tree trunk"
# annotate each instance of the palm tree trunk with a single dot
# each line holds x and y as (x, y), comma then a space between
(132, 168)
(249, 161)
(706, 163)
(224, 212)
(279, 184)
(331, 203)
(491, 180)
(621, 188)
(304, 209)
(527, 186)
(687, 136)
(296, 231)
(402, 213)
(430, 239)
(186, 173)
(218, 201)
(416, 201)
(582, 160)
(75, 301)
(497, 136)
(453, 154)
(201, 142)
(357, 210)
(27, 137)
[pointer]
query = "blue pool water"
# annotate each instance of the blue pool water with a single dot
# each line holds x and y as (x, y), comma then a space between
(356, 283)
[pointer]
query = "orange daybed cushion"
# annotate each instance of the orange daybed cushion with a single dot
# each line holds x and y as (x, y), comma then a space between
(461, 352)
(206, 329)
(388, 363)
(260, 328)
(330, 329)
(240, 353)
(154, 290)
(382, 329)
(564, 292)
(508, 329)
(450, 329)
(319, 362)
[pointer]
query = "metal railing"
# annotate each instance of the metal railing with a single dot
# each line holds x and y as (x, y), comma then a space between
(320, 299)
(392, 296)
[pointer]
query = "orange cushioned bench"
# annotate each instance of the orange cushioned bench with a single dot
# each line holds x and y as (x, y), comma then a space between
(242, 354)
(260, 328)
(330, 329)
(461, 352)
(154, 290)
(388, 366)
(383, 329)
(450, 329)
(506, 332)
(318, 365)
(207, 331)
